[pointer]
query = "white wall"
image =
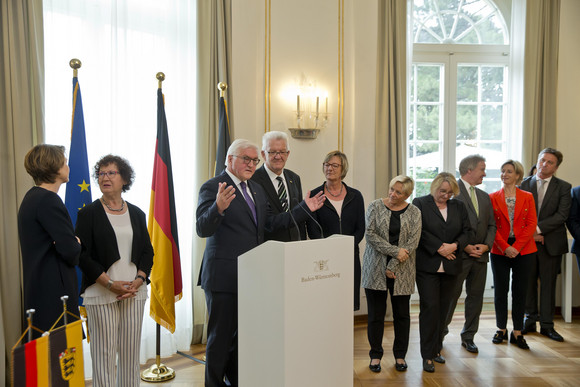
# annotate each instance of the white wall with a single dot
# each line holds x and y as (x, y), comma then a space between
(304, 40)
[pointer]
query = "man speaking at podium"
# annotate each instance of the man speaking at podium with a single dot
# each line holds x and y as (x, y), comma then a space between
(233, 213)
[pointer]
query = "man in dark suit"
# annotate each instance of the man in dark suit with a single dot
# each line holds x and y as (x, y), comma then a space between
(476, 254)
(552, 197)
(573, 223)
(282, 186)
(233, 213)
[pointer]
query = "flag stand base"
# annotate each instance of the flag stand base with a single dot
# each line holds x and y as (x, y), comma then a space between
(157, 373)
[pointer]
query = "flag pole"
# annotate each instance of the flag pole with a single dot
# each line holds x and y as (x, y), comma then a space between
(158, 372)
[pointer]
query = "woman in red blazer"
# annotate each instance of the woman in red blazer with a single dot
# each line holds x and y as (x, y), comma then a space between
(514, 246)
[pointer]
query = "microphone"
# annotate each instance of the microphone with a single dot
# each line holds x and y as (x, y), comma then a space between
(311, 217)
(294, 220)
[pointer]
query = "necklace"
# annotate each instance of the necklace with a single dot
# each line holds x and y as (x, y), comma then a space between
(333, 195)
(111, 209)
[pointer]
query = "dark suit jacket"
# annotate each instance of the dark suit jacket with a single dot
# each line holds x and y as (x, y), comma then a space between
(484, 224)
(437, 231)
(234, 232)
(50, 252)
(294, 195)
(99, 244)
(574, 220)
(525, 222)
(553, 214)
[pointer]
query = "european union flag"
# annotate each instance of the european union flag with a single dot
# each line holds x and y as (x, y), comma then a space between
(78, 188)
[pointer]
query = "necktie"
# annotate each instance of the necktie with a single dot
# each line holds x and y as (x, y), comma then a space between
(249, 201)
(282, 194)
(474, 200)
(541, 186)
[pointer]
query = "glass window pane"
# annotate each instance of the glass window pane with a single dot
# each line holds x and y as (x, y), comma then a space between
(467, 83)
(428, 83)
(492, 84)
(491, 122)
(427, 122)
(466, 122)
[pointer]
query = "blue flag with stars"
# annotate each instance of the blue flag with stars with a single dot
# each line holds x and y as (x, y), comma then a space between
(78, 188)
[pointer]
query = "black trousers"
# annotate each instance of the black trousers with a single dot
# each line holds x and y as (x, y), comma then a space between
(377, 309)
(520, 269)
(545, 267)
(436, 291)
(222, 339)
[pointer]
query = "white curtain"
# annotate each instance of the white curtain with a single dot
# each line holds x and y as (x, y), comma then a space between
(122, 45)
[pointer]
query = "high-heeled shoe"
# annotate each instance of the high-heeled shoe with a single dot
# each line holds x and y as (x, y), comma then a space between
(428, 367)
(519, 341)
(375, 367)
(401, 366)
(500, 336)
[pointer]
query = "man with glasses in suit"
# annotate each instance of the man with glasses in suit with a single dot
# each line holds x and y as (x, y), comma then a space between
(282, 186)
(233, 213)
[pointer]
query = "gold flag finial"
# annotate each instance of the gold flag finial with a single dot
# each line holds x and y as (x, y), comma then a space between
(75, 64)
(160, 77)
(222, 88)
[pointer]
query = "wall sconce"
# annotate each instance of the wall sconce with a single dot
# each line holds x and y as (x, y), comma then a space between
(311, 113)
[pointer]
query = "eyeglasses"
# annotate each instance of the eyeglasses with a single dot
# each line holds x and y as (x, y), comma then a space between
(278, 153)
(247, 160)
(110, 174)
(333, 165)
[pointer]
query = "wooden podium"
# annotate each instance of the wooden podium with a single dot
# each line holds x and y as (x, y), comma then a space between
(295, 313)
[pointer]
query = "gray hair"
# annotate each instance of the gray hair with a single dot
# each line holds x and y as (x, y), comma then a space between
(237, 146)
(274, 135)
(470, 162)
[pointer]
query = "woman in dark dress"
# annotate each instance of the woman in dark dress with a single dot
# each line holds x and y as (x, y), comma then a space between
(446, 231)
(50, 249)
(343, 212)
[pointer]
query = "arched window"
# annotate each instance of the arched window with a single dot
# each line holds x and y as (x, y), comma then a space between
(458, 99)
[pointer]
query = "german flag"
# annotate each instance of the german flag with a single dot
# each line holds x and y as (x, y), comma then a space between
(30, 364)
(166, 285)
(66, 356)
(224, 140)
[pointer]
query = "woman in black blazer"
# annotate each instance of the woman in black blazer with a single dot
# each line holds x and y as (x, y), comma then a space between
(342, 213)
(116, 260)
(50, 249)
(446, 231)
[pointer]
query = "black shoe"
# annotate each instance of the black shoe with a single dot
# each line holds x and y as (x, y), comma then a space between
(529, 326)
(375, 367)
(519, 341)
(401, 366)
(428, 367)
(439, 359)
(499, 337)
(552, 334)
(469, 345)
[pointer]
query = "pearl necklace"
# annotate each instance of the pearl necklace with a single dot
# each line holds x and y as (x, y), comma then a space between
(111, 209)
(331, 194)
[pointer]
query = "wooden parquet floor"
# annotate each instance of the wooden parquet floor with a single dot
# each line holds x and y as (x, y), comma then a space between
(547, 363)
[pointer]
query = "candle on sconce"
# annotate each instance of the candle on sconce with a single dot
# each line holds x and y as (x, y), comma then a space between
(298, 103)
(326, 109)
(317, 100)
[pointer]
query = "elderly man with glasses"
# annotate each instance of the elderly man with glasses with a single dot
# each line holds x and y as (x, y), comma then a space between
(233, 214)
(282, 186)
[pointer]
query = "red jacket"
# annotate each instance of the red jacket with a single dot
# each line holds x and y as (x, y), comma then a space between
(525, 221)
